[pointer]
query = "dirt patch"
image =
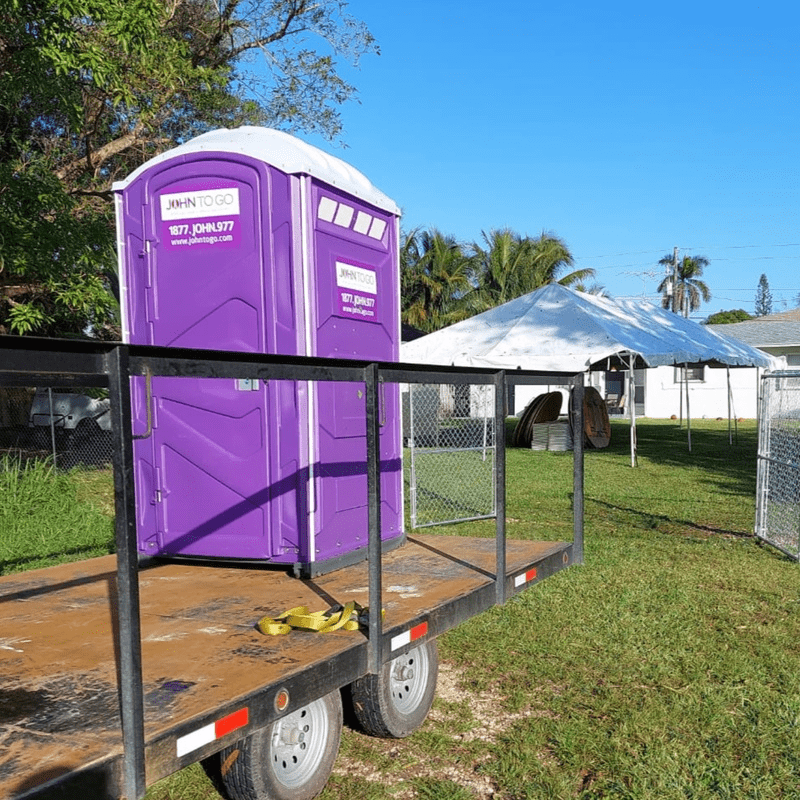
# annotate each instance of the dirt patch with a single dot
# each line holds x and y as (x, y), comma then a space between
(461, 714)
(489, 719)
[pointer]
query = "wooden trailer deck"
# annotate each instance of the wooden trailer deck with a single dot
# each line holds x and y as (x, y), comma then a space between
(209, 675)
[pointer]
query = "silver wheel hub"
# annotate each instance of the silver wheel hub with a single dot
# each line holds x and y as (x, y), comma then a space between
(299, 742)
(408, 679)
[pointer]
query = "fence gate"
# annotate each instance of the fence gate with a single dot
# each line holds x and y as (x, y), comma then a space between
(778, 488)
(449, 430)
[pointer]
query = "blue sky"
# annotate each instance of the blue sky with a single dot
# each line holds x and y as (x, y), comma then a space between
(626, 128)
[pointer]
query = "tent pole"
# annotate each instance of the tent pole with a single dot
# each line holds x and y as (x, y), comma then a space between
(728, 373)
(688, 415)
(680, 396)
(631, 396)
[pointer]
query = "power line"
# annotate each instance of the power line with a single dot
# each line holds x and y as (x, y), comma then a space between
(696, 247)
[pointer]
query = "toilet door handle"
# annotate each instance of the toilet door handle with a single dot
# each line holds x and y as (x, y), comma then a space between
(148, 399)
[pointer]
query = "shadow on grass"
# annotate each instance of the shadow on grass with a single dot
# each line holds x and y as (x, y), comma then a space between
(651, 520)
(12, 565)
(663, 442)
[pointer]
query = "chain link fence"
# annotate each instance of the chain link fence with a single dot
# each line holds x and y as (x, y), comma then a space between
(69, 426)
(449, 432)
(778, 488)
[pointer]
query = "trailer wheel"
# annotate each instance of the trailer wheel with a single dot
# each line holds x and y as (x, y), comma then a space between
(288, 760)
(394, 703)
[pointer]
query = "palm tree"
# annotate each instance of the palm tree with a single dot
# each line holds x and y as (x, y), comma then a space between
(597, 289)
(689, 288)
(508, 265)
(434, 279)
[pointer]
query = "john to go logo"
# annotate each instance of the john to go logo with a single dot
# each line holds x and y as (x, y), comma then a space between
(201, 203)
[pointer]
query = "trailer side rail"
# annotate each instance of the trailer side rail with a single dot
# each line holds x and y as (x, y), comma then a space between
(68, 363)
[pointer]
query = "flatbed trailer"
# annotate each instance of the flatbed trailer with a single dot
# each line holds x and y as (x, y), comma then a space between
(118, 671)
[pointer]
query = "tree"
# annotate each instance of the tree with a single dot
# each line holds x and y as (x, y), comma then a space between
(434, 279)
(726, 317)
(596, 289)
(92, 89)
(763, 297)
(690, 289)
(508, 265)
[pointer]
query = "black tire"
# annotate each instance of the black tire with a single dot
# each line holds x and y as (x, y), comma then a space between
(394, 703)
(291, 759)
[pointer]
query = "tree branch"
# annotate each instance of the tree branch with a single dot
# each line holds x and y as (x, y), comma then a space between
(101, 155)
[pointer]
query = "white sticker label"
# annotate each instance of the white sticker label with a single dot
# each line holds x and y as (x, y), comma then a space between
(202, 203)
(356, 278)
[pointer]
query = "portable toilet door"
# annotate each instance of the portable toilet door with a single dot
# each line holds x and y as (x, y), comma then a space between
(227, 242)
(197, 275)
(353, 313)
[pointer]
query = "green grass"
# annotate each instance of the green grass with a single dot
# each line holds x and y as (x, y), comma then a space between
(50, 517)
(667, 666)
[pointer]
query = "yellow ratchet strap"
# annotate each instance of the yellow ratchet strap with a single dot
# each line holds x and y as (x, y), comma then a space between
(300, 618)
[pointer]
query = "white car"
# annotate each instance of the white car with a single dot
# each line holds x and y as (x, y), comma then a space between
(71, 412)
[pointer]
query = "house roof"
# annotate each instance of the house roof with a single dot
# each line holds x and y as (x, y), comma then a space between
(773, 330)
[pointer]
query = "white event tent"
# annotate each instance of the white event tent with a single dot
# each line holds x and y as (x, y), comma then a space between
(558, 329)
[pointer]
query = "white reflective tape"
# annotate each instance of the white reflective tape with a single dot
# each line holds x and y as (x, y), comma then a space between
(196, 739)
(530, 575)
(401, 640)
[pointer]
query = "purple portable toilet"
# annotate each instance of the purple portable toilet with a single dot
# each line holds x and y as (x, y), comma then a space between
(252, 240)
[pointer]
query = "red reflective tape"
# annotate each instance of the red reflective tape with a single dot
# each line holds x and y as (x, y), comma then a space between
(419, 630)
(230, 723)
(530, 575)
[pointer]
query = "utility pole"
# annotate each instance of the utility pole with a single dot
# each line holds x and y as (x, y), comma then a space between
(674, 280)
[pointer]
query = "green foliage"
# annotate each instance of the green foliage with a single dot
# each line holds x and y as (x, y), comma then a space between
(725, 317)
(690, 290)
(507, 265)
(443, 282)
(92, 89)
(49, 517)
(763, 297)
(434, 278)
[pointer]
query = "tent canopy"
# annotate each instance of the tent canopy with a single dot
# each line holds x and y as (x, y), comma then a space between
(558, 329)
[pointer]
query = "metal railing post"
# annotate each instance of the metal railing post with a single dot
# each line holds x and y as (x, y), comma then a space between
(374, 660)
(131, 692)
(500, 483)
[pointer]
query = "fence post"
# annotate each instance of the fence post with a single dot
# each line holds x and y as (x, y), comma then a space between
(52, 426)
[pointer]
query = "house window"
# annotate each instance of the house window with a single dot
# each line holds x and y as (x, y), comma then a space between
(793, 360)
(690, 374)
